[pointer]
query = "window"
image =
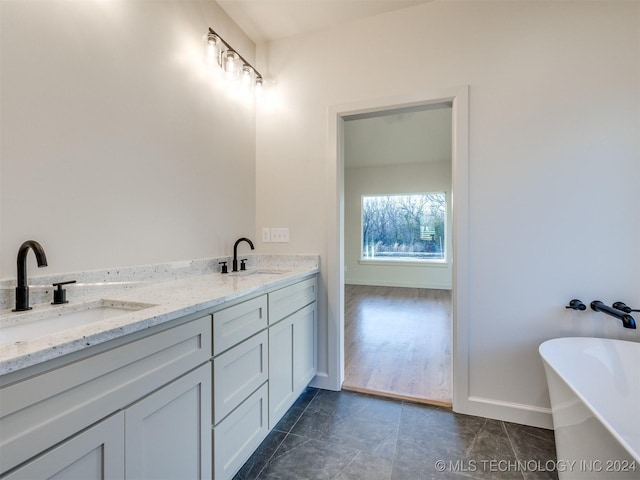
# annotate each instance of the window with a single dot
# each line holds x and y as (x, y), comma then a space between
(405, 228)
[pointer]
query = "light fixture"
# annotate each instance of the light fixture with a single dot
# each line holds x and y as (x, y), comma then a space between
(220, 53)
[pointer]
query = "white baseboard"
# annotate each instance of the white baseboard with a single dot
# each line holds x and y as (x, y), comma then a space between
(321, 380)
(507, 411)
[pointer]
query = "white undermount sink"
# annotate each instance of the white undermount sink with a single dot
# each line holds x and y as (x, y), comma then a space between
(25, 326)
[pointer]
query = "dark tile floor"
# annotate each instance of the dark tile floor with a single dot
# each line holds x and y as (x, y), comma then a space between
(346, 435)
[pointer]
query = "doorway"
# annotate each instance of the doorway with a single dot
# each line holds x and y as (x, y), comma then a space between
(397, 244)
(335, 260)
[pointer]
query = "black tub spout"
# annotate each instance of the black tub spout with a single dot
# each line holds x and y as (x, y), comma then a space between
(627, 320)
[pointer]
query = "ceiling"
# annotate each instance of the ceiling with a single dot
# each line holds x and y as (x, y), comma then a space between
(266, 20)
(398, 137)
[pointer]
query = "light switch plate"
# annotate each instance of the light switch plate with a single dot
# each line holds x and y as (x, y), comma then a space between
(266, 235)
(280, 234)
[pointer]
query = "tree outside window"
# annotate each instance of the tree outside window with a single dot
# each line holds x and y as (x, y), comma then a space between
(404, 227)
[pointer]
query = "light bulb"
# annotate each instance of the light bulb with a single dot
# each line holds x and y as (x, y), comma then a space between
(247, 76)
(212, 50)
(231, 65)
(258, 86)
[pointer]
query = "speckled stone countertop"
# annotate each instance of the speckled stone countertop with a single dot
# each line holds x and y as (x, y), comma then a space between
(163, 300)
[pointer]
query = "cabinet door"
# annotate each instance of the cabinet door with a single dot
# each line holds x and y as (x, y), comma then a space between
(304, 348)
(292, 360)
(168, 433)
(281, 393)
(96, 453)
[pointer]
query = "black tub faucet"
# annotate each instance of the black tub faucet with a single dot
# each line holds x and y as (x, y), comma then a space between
(22, 289)
(627, 320)
(235, 252)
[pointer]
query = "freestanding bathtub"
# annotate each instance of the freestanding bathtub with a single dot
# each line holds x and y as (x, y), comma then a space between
(594, 386)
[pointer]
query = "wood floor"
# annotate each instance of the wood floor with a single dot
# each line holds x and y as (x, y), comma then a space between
(398, 342)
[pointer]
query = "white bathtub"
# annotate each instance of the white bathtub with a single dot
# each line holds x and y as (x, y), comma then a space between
(594, 386)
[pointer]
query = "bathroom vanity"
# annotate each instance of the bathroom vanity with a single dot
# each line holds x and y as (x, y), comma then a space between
(187, 389)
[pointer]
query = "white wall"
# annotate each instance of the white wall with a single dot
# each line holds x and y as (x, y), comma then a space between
(396, 179)
(554, 163)
(117, 148)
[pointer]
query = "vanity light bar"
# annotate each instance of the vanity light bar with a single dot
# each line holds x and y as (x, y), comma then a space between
(212, 36)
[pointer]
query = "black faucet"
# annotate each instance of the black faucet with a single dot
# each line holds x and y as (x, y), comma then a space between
(22, 289)
(627, 320)
(235, 252)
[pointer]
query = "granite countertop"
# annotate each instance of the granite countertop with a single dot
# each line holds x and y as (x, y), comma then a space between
(163, 301)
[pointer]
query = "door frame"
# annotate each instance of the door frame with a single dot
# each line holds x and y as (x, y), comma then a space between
(459, 99)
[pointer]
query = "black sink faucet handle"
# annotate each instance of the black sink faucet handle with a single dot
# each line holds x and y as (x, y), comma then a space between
(223, 268)
(243, 266)
(60, 294)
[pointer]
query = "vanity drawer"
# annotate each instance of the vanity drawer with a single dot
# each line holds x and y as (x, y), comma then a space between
(239, 372)
(232, 325)
(288, 300)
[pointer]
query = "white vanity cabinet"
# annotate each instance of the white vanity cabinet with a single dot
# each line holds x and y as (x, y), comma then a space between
(139, 434)
(137, 407)
(240, 375)
(189, 399)
(264, 358)
(292, 345)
